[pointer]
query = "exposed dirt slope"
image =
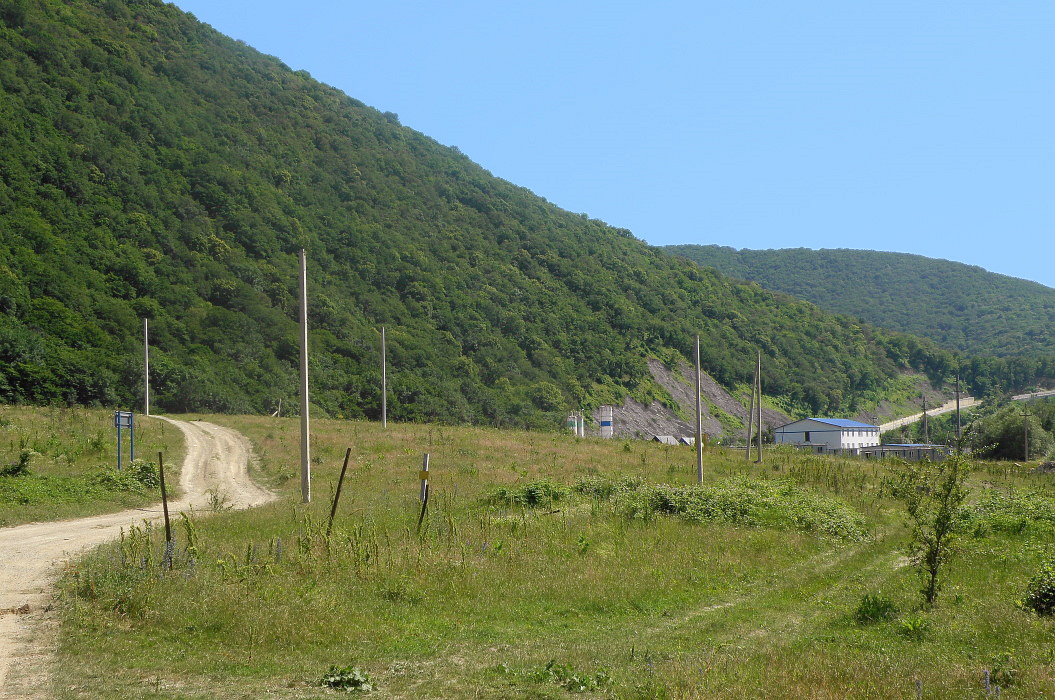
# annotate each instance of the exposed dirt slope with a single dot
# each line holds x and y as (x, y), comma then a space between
(634, 419)
(31, 556)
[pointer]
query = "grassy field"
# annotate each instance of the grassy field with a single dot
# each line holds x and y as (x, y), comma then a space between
(58, 463)
(548, 566)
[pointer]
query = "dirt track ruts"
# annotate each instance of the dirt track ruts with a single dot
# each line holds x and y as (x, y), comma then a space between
(31, 555)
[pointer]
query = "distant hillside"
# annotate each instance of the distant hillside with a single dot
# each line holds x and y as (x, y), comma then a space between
(150, 166)
(961, 307)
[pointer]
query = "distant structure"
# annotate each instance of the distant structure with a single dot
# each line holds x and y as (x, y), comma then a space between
(607, 424)
(666, 439)
(577, 424)
(909, 452)
(828, 435)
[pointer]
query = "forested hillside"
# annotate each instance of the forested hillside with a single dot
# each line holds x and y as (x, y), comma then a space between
(151, 167)
(961, 307)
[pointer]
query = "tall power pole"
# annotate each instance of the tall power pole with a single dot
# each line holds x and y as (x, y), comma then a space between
(926, 428)
(1025, 429)
(305, 421)
(146, 368)
(959, 433)
(384, 382)
(699, 416)
(758, 387)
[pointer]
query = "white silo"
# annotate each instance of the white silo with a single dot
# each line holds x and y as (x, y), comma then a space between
(607, 424)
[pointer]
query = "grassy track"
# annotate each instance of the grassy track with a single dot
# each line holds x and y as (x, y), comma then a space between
(478, 604)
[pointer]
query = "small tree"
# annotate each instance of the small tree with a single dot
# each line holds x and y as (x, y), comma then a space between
(933, 493)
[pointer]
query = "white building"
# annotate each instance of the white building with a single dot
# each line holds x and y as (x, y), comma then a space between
(828, 434)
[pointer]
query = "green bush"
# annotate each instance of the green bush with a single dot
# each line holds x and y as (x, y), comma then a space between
(1040, 592)
(348, 679)
(874, 608)
(532, 494)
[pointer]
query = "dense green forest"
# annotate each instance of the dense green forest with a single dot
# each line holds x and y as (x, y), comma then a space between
(961, 307)
(151, 167)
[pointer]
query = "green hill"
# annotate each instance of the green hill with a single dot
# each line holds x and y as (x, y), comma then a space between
(960, 307)
(151, 167)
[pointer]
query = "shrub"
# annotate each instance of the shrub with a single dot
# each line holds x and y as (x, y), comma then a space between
(348, 679)
(874, 608)
(533, 494)
(915, 627)
(1040, 592)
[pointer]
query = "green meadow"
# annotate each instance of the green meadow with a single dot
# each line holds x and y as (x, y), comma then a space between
(547, 567)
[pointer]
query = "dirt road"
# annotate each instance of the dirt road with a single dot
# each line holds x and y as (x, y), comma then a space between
(948, 406)
(31, 555)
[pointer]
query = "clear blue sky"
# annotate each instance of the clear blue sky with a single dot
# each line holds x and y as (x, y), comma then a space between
(917, 127)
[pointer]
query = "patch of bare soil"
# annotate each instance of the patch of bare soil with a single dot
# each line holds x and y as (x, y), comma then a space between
(31, 555)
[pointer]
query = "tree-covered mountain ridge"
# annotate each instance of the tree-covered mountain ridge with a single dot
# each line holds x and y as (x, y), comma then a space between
(961, 307)
(152, 167)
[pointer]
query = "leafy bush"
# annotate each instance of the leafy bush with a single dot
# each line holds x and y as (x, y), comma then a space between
(565, 676)
(1040, 591)
(742, 501)
(1014, 513)
(348, 679)
(21, 467)
(874, 608)
(914, 628)
(533, 494)
(137, 477)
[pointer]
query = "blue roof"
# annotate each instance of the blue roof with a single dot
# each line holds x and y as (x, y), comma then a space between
(843, 423)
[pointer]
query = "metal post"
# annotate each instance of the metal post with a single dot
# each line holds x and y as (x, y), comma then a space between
(424, 476)
(131, 437)
(305, 422)
(384, 382)
(118, 444)
(146, 368)
(699, 416)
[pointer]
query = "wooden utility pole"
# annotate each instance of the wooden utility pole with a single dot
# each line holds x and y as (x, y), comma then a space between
(959, 433)
(758, 387)
(146, 368)
(305, 421)
(926, 427)
(699, 416)
(384, 382)
(751, 417)
(1025, 429)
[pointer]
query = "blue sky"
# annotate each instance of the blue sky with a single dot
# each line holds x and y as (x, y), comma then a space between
(917, 127)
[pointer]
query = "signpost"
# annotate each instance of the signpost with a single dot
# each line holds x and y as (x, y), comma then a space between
(125, 419)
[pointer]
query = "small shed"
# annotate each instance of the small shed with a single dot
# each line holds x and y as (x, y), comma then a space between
(666, 439)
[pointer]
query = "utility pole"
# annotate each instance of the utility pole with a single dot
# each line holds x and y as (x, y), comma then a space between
(751, 416)
(926, 427)
(699, 416)
(146, 368)
(758, 387)
(959, 433)
(384, 382)
(305, 422)
(1025, 428)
